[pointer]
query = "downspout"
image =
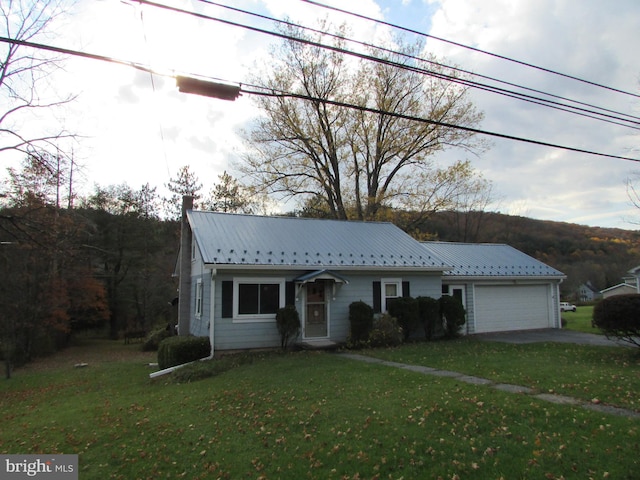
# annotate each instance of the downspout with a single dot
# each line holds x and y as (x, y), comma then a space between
(557, 296)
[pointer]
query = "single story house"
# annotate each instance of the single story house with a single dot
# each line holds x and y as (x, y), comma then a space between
(236, 271)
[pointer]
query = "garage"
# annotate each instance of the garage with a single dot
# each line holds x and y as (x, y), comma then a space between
(501, 308)
(503, 289)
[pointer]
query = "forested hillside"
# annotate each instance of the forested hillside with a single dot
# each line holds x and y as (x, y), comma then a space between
(600, 255)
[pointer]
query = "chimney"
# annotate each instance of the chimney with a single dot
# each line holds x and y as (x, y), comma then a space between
(184, 292)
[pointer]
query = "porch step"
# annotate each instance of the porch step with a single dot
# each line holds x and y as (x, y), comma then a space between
(320, 344)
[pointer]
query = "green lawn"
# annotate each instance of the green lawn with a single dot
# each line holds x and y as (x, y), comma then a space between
(318, 415)
(580, 320)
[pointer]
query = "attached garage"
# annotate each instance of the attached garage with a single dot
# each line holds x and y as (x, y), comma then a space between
(501, 308)
(502, 288)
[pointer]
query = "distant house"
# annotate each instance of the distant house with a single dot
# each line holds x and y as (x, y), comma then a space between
(236, 271)
(588, 293)
(630, 284)
(619, 289)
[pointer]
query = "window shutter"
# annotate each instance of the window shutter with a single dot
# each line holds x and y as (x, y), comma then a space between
(406, 292)
(227, 299)
(377, 300)
(289, 293)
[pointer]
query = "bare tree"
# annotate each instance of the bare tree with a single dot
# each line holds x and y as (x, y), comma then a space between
(359, 161)
(24, 74)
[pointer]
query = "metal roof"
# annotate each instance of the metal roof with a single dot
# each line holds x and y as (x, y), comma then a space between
(232, 239)
(488, 260)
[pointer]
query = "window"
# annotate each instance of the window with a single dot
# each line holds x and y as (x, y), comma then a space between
(456, 291)
(391, 288)
(258, 298)
(198, 298)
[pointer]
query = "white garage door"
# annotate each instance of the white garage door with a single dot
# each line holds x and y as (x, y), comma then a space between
(514, 307)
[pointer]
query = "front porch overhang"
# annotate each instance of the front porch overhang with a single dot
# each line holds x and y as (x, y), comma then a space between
(321, 275)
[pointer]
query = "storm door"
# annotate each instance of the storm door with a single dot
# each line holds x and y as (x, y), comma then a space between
(316, 309)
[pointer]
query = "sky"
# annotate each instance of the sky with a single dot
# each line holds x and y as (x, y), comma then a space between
(137, 128)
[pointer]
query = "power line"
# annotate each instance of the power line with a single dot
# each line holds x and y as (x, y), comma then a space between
(508, 93)
(425, 120)
(485, 52)
(431, 62)
(273, 93)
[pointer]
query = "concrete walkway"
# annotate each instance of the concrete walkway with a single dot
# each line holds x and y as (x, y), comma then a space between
(547, 397)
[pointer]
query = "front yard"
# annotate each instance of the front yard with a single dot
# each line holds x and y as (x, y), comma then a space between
(580, 320)
(318, 415)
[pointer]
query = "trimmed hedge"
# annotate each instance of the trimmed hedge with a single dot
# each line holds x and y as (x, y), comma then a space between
(360, 320)
(429, 310)
(178, 350)
(453, 316)
(405, 311)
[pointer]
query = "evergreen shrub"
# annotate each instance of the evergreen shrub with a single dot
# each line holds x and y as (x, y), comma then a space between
(453, 316)
(619, 317)
(178, 350)
(429, 314)
(386, 332)
(152, 342)
(405, 311)
(288, 322)
(361, 321)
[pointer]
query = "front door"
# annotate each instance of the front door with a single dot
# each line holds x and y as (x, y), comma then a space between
(315, 319)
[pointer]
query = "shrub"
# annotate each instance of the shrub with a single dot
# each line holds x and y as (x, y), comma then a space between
(405, 310)
(429, 314)
(178, 350)
(386, 332)
(152, 342)
(288, 322)
(619, 317)
(361, 321)
(452, 313)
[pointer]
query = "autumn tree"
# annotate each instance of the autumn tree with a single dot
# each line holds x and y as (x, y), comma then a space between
(24, 75)
(41, 260)
(363, 160)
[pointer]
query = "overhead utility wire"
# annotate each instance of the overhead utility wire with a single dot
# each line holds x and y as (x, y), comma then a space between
(425, 120)
(432, 62)
(272, 93)
(521, 96)
(502, 57)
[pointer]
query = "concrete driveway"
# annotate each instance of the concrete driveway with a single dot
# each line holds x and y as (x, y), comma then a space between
(549, 335)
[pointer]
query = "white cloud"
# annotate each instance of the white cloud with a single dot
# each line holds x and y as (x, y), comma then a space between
(584, 40)
(141, 131)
